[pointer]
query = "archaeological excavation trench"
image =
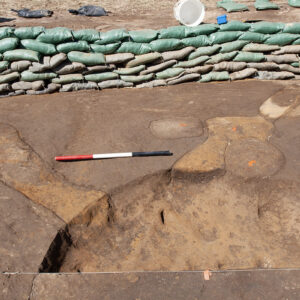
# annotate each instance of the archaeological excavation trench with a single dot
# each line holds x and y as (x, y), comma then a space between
(228, 199)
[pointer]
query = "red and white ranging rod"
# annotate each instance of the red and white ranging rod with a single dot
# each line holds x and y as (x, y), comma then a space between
(112, 155)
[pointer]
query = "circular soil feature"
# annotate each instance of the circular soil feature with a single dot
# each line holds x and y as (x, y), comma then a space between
(176, 128)
(251, 158)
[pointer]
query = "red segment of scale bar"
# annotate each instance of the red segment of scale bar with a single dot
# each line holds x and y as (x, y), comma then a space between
(74, 157)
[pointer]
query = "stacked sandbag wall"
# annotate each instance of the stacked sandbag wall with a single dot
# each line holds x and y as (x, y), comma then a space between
(35, 60)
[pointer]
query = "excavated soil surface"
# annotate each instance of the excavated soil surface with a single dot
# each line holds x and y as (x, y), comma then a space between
(227, 199)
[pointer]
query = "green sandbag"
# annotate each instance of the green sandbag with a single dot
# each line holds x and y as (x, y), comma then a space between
(4, 65)
(105, 49)
(130, 71)
(294, 3)
(265, 5)
(253, 37)
(135, 48)
(231, 6)
(88, 59)
(198, 41)
(98, 77)
(68, 78)
(297, 42)
(137, 79)
(266, 27)
(249, 57)
(295, 64)
(28, 32)
(204, 51)
(292, 28)
(215, 76)
(29, 76)
(174, 32)
(22, 54)
(113, 36)
(166, 45)
(221, 57)
(143, 36)
(55, 35)
(73, 46)
(235, 26)
(8, 44)
(233, 46)
(47, 49)
(6, 32)
(169, 73)
(224, 37)
(88, 35)
(281, 39)
(193, 62)
(9, 77)
(203, 29)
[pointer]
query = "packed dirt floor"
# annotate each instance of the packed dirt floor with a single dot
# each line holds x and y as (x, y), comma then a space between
(229, 197)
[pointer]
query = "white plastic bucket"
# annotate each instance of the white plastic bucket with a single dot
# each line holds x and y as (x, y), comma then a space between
(189, 12)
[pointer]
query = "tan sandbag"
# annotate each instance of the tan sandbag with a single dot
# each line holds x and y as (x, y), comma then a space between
(69, 68)
(46, 60)
(252, 47)
(289, 68)
(22, 85)
(159, 67)
(292, 49)
(14, 93)
(246, 73)
(265, 75)
(4, 87)
(230, 66)
(116, 83)
(38, 85)
(8, 71)
(199, 69)
(38, 68)
(57, 59)
(17, 93)
(282, 59)
(9, 77)
(25, 85)
(32, 92)
(21, 65)
(265, 66)
(178, 54)
(51, 88)
(144, 59)
(119, 58)
(185, 78)
(153, 83)
(77, 86)
(99, 69)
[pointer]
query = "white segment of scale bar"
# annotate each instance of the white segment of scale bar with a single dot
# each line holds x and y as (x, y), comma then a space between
(112, 155)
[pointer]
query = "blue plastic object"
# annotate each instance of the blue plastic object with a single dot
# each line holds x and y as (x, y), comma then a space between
(222, 19)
